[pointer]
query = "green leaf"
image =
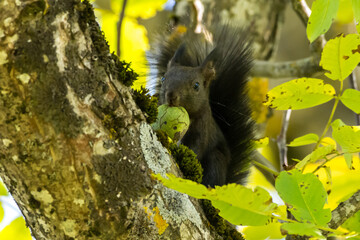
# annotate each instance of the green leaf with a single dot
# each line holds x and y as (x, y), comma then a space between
(348, 160)
(1, 212)
(3, 191)
(302, 229)
(353, 223)
(299, 94)
(268, 231)
(242, 206)
(323, 12)
(237, 204)
(16, 230)
(306, 196)
(317, 154)
(356, 9)
(348, 137)
(351, 99)
(340, 56)
(304, 140)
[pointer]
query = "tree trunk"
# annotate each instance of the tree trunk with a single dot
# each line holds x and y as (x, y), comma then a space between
(75, 151)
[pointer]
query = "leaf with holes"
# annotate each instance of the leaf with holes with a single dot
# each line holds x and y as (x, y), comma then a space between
(302, 229)
(340, 56)
(299, 94)
(348, 137)
(237, 204)
(351, 99)
(323, 12)
(317, 154)
(305, 195)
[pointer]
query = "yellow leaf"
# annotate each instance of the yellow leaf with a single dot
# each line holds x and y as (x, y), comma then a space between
(345, 181)
(258, 87)
(269, 231)
(345, 14)
(16, 230)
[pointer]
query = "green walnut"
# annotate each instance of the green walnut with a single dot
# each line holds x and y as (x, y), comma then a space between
(174, 121)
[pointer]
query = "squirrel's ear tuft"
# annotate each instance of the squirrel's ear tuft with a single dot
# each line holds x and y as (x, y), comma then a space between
(175, 61)
(208, 71)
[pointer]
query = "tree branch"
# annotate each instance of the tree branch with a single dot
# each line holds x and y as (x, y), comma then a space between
(281, 140)
(300, 68)
(345, 210)
(304, 12)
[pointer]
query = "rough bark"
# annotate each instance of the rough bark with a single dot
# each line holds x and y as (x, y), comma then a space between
(75, 151)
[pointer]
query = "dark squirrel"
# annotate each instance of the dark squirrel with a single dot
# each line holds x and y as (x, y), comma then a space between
(208, 77)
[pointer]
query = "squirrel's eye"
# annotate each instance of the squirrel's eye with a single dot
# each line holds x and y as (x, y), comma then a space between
(162, 80)
(197, 86)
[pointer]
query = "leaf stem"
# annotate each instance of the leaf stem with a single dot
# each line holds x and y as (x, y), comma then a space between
(265, 168)
(339, 232)
(337, 99)
(325, 162)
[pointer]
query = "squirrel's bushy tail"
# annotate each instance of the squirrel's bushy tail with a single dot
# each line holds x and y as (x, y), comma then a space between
(229, 100)
(231, 54)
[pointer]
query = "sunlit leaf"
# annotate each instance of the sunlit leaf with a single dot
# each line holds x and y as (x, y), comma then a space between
(306, 196)
(356, 10)
(242, 206)
(302, 229)
(348, 159)
(261, 142)
(348, 137)
(133, 41)
(317, 154)
(3, 191)
(351, 99)
(1, 212)
(258, 87)
(323, 12)
(328, 141)
(340, 56)
(16, 230)
(299, 94)
(304, 140)
(237, 204)
(328, 182)
(345, 13)
(353, 223)
(269, 231)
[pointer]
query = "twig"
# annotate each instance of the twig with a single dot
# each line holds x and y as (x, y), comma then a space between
(118, 27)
(262, 166)
(281, 140)
(299, 68)
(199, 13)
(303, 11)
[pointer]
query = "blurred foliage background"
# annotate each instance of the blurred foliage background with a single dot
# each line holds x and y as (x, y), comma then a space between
(144, 20)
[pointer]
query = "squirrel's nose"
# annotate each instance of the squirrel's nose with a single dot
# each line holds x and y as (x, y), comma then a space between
(172, 99)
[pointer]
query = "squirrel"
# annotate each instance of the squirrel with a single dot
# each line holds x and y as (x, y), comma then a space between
(207, 75)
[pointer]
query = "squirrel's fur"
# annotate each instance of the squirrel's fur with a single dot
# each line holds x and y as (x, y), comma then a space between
(209, 79)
